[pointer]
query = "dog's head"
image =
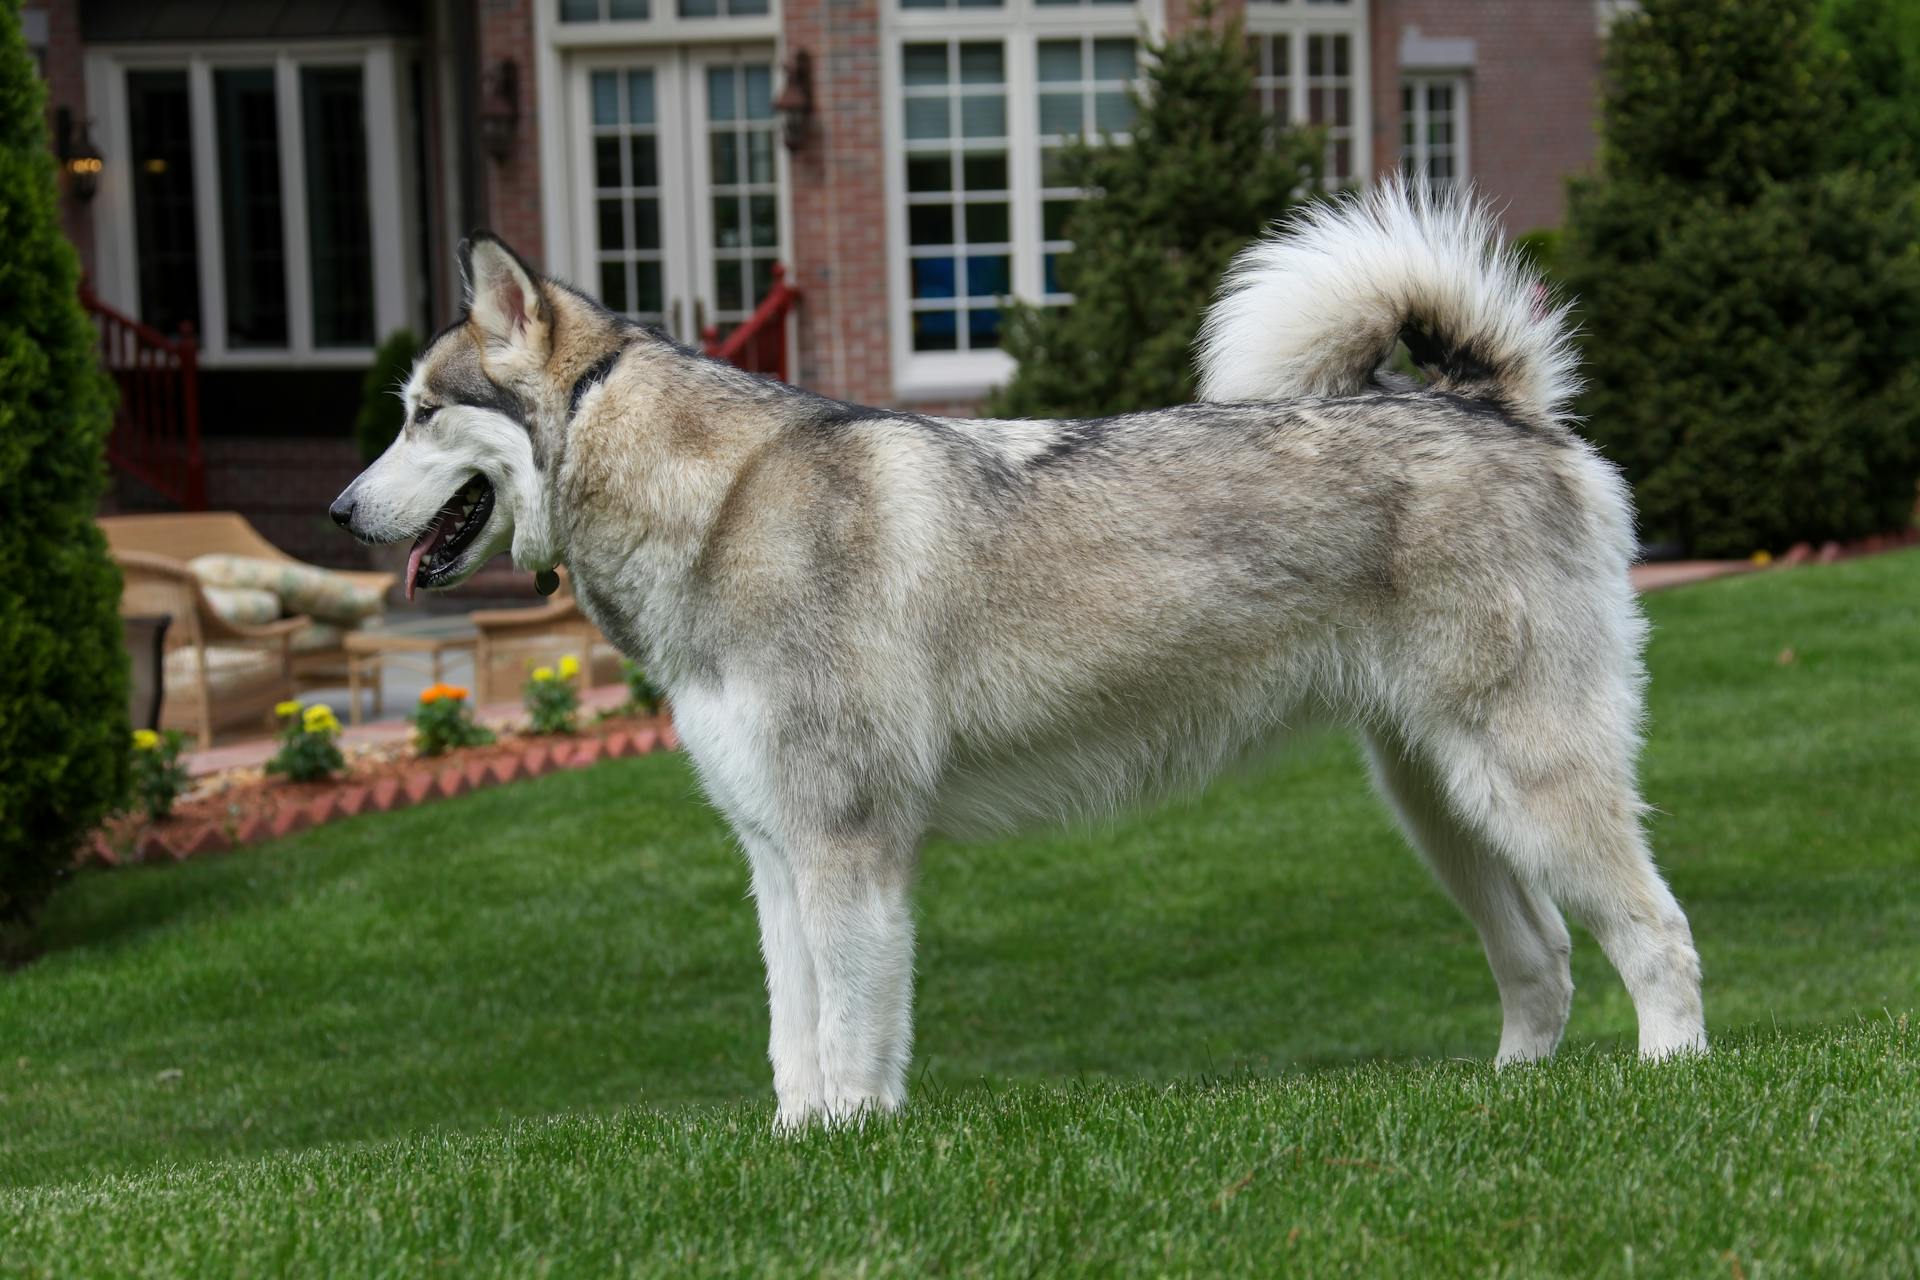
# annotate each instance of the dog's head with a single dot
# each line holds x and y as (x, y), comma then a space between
(463, 479)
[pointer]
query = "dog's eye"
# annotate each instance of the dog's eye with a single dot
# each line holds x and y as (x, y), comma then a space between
(424, 414)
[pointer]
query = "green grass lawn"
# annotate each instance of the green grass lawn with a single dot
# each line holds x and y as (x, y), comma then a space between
(1221, 1035)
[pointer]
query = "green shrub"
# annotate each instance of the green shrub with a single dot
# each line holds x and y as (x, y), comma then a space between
(551, 700)
(158, 776)
(63, 684)
(1204, 172)
(381, 412)
(308, 747)
(444, 720)
(643, 696)
(1750, 303)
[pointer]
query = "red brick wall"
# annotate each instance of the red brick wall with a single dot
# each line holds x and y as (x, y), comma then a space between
(839, 248)
(67, 87)
(511, 188)
(1532, 94)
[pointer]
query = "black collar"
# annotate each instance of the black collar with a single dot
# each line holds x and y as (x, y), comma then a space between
(593, 377)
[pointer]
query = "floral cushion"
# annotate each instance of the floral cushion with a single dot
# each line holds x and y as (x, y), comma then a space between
(326, 597)
(244, 605)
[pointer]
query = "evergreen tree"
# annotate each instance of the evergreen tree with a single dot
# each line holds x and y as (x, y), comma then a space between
(1750, 300)
(63, 686)
(1202, 174)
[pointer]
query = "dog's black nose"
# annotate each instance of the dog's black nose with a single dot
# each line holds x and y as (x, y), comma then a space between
(341, 511)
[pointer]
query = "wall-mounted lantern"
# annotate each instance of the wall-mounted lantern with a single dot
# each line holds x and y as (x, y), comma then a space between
(78, 156)
(500, 109)
(795, 103)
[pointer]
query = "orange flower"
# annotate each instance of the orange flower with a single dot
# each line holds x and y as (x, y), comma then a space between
(435, 692)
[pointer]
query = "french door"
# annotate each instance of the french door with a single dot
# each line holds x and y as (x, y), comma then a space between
(677, 175)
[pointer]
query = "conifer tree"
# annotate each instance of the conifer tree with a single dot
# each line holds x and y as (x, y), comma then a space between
(1749, 294)
(63, 684)
(1202, 173)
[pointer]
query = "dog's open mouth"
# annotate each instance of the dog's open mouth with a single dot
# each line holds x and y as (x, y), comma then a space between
(437, 552)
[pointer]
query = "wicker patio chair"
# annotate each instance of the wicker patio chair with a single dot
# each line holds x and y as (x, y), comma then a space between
(215, 673)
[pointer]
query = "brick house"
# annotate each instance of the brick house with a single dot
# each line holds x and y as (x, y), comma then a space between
(290, 177)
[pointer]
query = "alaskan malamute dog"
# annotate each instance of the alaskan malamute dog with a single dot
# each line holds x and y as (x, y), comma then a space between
(875, 624)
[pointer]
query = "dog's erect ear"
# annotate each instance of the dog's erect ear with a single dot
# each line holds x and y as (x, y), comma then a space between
(503, 293)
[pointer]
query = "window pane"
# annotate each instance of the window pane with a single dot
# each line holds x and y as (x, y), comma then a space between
(699, 8)
(613, 285)
(983, 328)
(933, 278)
(930, 224)
(646, 168)
(647, 290)
(983, 116)
(759, 89)
(165, 238)
(935, 331)
(720, 93)
(760, 156)
(1059, 59)
(924, 64)
(726, 156)
(606, 98)
(747, 8)
(982, 64)
(613, 226)
(246, 126)
(930, 173)
(628, 10)
(989, 276)
(339, 224)
(1112, 111)
(606, 163)
(726, 222)
(646, 223)
(1060, 113)
(927, 118)
(987, 224)
(640, 97)
(985, 171)
(763, 223)
(1114, 60)
(579, 10)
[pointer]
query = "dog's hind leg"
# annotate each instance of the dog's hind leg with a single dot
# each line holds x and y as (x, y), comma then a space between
(1525, 940)
(793, 1000)
(1552, 792)
(856, 914)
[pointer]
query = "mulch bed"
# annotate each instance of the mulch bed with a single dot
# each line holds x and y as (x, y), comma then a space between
(240, 807)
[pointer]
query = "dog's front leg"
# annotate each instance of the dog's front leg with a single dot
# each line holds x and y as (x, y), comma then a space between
(793, 1001)
(858, 920)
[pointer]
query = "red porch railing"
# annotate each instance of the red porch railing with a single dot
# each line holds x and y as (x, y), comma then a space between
(156, 424)
(759, 344)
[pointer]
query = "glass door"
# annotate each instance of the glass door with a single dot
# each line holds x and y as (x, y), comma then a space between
(737, 171)
(678, 218)
(629, 202)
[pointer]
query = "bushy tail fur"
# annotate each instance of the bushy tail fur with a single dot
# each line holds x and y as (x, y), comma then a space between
(1316, 308)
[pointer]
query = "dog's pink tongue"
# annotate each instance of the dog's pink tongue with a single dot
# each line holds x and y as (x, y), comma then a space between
(419, 552)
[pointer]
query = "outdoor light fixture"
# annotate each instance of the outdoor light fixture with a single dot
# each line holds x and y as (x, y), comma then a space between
(78, 156)
(795, 103)
(500, 110)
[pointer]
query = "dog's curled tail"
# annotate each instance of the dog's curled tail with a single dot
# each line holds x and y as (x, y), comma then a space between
(1316, 308)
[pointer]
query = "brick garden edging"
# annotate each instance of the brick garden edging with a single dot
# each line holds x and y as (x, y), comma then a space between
(300, 806)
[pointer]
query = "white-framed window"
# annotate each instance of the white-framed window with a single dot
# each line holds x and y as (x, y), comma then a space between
(263, 194)
(587, 23)
(1310, 68)
(980, 95)
(1433, 128)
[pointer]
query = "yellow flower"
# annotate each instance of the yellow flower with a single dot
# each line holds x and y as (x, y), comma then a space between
(145, 740)
(1762, 558)
(543, 674)
(319, 718)
(286, 709)
(569, 667)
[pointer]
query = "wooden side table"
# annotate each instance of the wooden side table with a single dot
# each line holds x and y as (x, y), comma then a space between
(367, 651)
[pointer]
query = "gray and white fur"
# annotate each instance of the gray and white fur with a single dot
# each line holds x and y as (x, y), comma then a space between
(874, 625)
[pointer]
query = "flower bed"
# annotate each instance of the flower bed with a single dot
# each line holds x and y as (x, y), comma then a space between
(243, 806)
